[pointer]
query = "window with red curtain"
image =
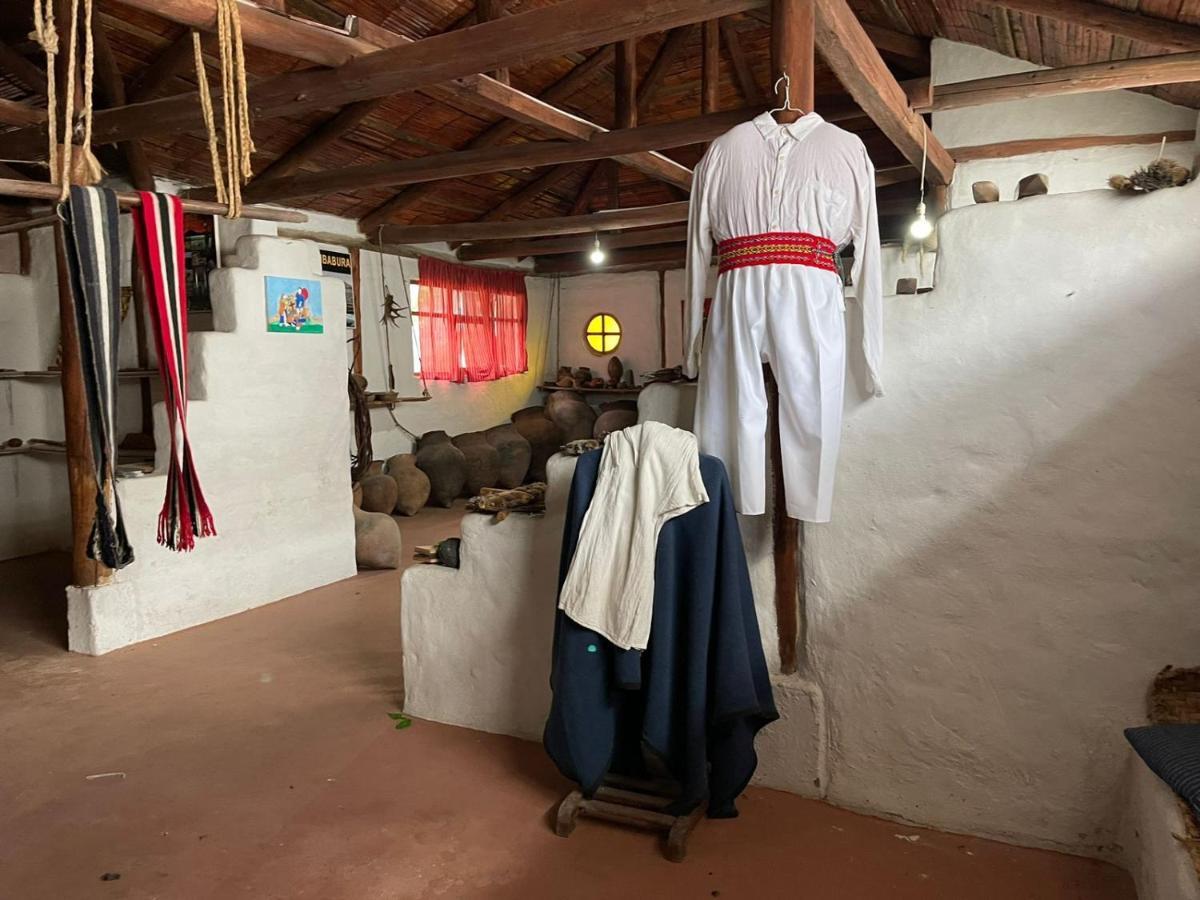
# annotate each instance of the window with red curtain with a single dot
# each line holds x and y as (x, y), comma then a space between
(471, 322)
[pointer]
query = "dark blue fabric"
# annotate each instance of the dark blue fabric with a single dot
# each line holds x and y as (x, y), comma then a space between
(1173, 754)
(690, 705)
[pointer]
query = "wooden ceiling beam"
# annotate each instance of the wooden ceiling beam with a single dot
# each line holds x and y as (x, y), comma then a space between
(639, 259)
(606, 220)
(1174, 37)
(525, 195)
(848, 50)
(620, 145)
(485, 11)
(710, 66)
(502, 130)
(23, 69)
(743, 71)
(173, 61)
(1145, 71)
(538, 34)
(14, 113)
(591, 184)
(481, 250)
(328, 132)
(1003, 149)
(112, 89)
(672, 48)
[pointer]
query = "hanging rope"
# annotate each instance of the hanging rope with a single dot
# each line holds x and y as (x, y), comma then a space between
(235, 108)
(67, 165)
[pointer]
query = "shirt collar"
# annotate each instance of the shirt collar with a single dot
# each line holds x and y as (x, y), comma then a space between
(768, 127)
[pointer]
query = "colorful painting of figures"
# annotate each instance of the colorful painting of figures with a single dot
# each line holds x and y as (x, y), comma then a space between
(294, 305)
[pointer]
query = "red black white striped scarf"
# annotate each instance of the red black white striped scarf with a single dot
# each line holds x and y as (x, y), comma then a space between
(158, 229)
(93, 250)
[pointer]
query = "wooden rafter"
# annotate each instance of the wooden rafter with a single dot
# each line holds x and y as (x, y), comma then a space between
(557, 92)
(174, 60)
(23, 69)
(14, 113)
(1002, 149)
(848, 50)
(607, 220)
(549, 31)
(638, 259)
(710, 66)
(485, 11)
(646, 89)
(518, 248)
(1136, 26)
(620, 145)
(328, 132)
(743, 72)
(1145, 71)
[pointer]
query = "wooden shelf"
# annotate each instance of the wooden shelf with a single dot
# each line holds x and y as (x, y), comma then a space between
(54, 374)
(618, 390)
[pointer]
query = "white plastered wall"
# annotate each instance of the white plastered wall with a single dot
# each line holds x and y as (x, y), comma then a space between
(34, 500)
(1107, 113)
(269, 425)
(1014, 548)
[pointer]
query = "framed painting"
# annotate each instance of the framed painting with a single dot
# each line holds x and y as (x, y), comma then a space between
(294, 305)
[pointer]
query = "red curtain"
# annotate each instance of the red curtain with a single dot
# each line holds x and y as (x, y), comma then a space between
(472, 322)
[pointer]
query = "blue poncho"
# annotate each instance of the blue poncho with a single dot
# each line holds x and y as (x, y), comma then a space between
(690, 705)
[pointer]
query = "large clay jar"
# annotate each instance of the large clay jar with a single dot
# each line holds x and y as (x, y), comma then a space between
(514, 452)
(483, 462)
(543, 435)
(377, 543)
(575, 418)
(412, 485)
(627, 405)
(613, 420)
(378, 494)
(444, 464)
(560, 398)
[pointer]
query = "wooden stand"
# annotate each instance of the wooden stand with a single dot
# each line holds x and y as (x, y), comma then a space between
(633, 802)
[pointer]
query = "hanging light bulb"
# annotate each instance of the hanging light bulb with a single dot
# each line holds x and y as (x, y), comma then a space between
(597, 256)
(921, 227)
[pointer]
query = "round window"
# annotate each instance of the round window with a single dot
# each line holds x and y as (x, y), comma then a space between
(603, 334)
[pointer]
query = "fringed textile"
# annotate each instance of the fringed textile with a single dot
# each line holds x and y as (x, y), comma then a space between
(93, 249)
(158, 229)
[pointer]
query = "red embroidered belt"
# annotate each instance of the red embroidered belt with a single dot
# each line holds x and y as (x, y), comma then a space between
(777, 248)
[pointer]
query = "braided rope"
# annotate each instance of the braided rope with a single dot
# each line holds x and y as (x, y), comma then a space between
(235, 109)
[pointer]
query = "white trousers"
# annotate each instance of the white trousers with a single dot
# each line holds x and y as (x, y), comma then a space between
(790, 316)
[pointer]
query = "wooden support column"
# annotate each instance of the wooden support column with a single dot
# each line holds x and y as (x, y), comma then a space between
(793, 52)
(626, 84)
(710, 66)
(81, 472)
(793, 24)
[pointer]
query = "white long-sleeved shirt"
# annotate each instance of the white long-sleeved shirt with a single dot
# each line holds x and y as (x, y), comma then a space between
(649, 474)
(808, 176)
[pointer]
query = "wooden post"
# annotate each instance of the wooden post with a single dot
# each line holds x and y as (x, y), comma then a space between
(626, 84)
(793, 26)
(81, 472)
(485, 11)
(710, 66)
(792, 52)
(356, 287)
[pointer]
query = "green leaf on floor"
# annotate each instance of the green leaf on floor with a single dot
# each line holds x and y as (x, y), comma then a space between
(401, 720)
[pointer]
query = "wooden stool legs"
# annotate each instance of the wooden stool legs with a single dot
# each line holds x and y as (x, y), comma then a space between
(631, 802)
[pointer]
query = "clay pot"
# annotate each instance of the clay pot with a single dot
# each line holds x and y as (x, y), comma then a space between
(574, 417)
(557, 398)
(412, 485)
(483, 462)
(377, 543)
(543, 435)
(627, 405)
(378, 494)
(356, 496)
(375, 468)
(615, 371)
(613, 420)
(514, 454)
(444, 464)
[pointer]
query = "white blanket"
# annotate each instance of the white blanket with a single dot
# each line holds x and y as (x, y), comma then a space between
(649, 474)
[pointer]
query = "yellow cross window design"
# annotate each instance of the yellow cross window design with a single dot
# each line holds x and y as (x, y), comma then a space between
(603, 333)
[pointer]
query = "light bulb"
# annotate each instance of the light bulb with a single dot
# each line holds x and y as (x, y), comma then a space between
(921, 227)
(597, 256)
